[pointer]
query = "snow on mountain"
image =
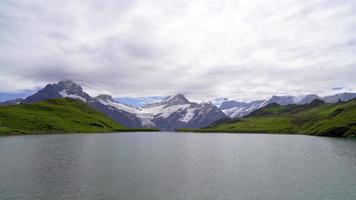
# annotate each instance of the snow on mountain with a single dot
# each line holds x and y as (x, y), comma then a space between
(235, 109)
(188, 116)
(60, 90)
(109, 101)
(64, 94)
(178, 112)
(171, 113)
(241, 109)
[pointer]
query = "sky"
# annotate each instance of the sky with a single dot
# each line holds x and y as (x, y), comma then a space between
(205, 49)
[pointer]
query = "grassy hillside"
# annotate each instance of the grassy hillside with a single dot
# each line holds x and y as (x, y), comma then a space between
(54, 116)
(317, 118)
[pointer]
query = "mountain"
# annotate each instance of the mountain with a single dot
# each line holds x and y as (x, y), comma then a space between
(235, 109)
(171, 113)
(228, 104)
(316, 118)
(60, 90)
(342, 97)
(168, 114)
(53, 116)
(177, 112)
(72, 90)
(281, 100)
(308, 99)
(118, 112)
(11, 102)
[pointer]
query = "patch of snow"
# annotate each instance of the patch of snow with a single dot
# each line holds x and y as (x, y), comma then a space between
(64, 94)
(119, 106)
(146, 121)
(188, 116)
(167, 111)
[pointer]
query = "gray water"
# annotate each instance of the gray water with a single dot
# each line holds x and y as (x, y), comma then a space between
(177, 166)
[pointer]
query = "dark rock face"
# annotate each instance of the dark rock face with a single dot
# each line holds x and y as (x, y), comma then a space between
(105, 97)
(49, 92)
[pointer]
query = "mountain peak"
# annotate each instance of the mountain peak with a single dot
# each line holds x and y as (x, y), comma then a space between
(69, 86)
(177, 99)
(62, 89)
(281, 100)
(105, 97)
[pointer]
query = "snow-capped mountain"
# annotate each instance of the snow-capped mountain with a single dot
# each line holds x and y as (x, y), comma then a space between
(174, 112)
(178, 112)
(69, 89)
(170, 113)
(235, 109)
(60, 90)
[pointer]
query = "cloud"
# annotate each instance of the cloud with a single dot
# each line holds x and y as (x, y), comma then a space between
(248, 49)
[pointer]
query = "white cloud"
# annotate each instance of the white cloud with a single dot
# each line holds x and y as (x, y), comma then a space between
(247, 49)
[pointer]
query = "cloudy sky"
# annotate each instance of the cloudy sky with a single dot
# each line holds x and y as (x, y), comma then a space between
(241, 49)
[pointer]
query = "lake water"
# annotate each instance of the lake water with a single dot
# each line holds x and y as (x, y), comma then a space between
(177, 166)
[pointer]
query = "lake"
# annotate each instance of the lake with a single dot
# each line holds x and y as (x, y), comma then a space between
(177, 166)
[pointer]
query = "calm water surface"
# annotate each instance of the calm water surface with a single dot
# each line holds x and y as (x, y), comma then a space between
(165, 166)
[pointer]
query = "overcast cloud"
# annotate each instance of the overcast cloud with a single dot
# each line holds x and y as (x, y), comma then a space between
(246, 49)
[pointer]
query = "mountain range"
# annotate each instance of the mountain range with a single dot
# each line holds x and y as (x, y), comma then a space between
(172, 112)
(237, 109)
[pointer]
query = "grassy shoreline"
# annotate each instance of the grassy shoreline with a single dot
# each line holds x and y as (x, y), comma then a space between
(17, 132)
(252, 132)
